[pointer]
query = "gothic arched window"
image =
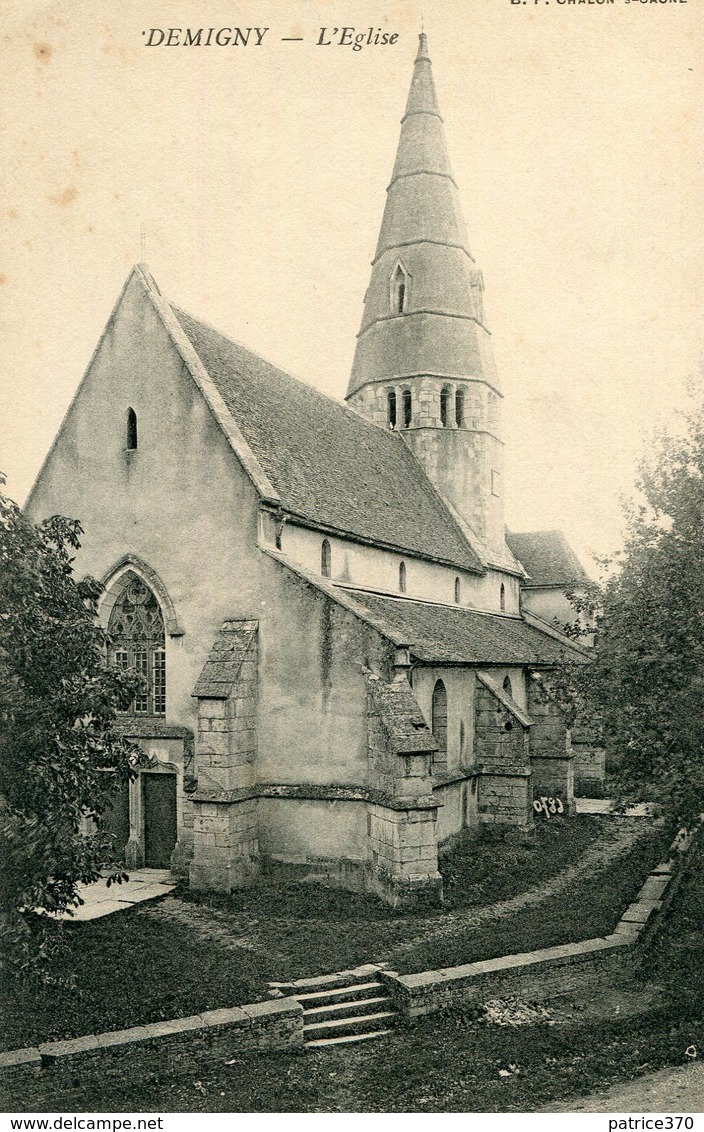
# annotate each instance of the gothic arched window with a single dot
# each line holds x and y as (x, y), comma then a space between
(407, 408)
(137, 640)
(399, 290)
(458, 591)
(131, 429)
(402, 577)
(439, 719)
(444, 407)
(325, 559)
(507, 686)
(459, 407)
(502, 598)
(391, 408)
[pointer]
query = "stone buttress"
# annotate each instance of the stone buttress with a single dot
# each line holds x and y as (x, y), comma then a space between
(225, 835)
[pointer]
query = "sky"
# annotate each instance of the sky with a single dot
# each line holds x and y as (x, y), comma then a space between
(252, 181)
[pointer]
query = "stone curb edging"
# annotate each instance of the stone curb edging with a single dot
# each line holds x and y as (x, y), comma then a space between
(278, 1023)
(550, 970)
(273, 1024)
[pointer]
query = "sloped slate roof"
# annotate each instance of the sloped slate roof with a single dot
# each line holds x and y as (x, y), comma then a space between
(441, 634)
(547, 557)
(329, 465)
(404, 723)
(224, 662)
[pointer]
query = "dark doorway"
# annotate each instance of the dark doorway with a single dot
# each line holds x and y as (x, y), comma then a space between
(159, 819)
(116, 820)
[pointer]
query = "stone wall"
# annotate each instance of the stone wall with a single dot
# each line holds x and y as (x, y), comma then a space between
(589, 762)
(260, 1025)
(551, 761)
(585, 966)
(401, 825)
(225, 826)
(501, 751)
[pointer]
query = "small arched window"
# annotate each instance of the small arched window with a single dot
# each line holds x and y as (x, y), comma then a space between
(507, 686)
(407, 408)
(459, 407)
(391, 408)
(399, 290)
(325, 558)
(439, 719)
(502, 598)
(402, 577)
(131, 429)
(458, 591)
(444, 407)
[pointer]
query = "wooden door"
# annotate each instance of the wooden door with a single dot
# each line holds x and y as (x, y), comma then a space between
(159, 819)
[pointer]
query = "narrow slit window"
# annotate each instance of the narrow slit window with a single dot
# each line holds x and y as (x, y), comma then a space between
(399, 291)
(444, 407)
(131, 429)
(325, 559)
(402, 577)
(502, 598)
(459, 408)
(439, 720)
(407, 408)
(391, 408)
(458, 591)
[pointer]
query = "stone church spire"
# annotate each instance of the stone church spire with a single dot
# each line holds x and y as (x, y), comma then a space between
(424, 363)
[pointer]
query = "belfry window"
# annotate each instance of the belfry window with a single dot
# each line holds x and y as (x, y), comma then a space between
(502, 598)
(407, 408)
(325, 559)
(399, 290)
(458, 591)
(507, 686)
(459, 407)
(136, 632)
(391, 409)
(444, 407)
(131, 429)
(402, 577)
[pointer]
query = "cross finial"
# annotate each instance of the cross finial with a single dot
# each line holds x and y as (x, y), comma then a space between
(142, 244)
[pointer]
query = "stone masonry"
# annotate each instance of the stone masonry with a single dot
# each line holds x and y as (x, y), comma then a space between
(401, 825)
(551, 759)
(501, 744)
(226, 847)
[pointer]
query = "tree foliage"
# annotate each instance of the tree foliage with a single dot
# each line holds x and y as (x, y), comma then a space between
(59, 757)
(647, 680)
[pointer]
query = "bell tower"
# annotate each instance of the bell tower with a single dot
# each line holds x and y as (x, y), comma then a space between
(424, 365)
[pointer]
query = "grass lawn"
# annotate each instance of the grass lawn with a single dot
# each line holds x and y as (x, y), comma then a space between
(181, 956)
(447, 1063)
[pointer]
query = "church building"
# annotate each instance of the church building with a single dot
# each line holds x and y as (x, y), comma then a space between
(341, 669)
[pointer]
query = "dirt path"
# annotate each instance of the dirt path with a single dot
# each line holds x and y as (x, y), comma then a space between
(678, 1090)
(624, 833)
(244, 931)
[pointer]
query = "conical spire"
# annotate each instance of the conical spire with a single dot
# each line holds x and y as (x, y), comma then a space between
(423, 232)
(424, 363)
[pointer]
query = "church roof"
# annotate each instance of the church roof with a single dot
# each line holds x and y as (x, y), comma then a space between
(547, 558)
(329, 466)
(442, 634)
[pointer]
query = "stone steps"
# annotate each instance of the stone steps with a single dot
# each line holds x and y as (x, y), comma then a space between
(339, 1009)
(317, 1042)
